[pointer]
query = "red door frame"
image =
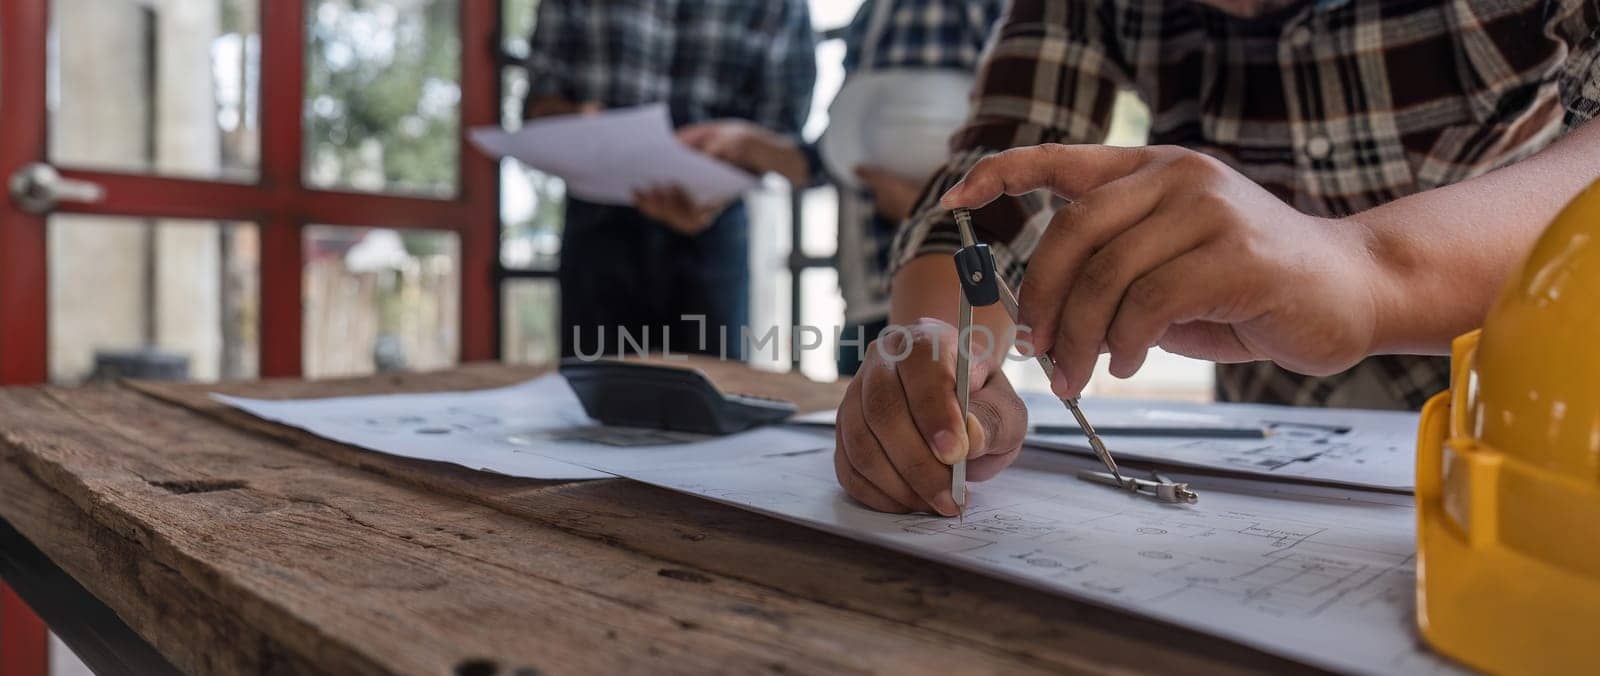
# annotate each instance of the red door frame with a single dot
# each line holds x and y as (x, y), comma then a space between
(278, 203)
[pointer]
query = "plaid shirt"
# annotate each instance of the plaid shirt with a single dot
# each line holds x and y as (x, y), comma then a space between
(923, 34)
(1335, 106)
(704, 58)
(917, 34)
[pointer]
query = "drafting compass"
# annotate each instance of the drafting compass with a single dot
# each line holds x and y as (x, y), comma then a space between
(982, 286)
(1158, 487)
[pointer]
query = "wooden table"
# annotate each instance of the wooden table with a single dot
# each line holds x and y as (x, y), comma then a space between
(234, 545)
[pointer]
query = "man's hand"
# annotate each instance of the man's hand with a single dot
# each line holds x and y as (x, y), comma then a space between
(1166, 246)
(672, 206)
(748, 146)
(892, 195)
(900, 428)
(546, 106)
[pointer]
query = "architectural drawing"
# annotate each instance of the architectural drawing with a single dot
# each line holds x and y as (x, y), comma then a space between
(1371, 449)
(1320, 574)
(1324, 577)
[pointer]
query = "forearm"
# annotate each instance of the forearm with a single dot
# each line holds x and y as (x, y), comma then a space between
(1443, 255)
(926, 287)
(782, 155)
(1037, 41)
(924, 279)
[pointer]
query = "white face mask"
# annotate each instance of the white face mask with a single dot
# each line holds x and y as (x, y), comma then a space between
(1248, 8)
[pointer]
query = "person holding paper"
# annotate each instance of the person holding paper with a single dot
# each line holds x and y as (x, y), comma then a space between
(1322, 198)
(639, 269)
(899, 40)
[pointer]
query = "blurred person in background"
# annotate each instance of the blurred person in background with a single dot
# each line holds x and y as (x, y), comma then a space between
(895, 50)
(644, 267)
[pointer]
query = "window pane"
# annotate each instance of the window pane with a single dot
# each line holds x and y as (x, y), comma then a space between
(514, 90)
(152, 296)
(380, 300)
(1130, 121)
(769, 266)
(831, 14)
(819, 209)
(516, 21)
(382, 107)
(161, 86)
(531, 320)
(532, 207)
(822, 308)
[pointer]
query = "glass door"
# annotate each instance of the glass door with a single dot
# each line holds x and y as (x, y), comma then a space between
(242, 188)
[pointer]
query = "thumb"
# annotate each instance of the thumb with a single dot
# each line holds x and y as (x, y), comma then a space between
(997, 421)
(696, 135)
(977, 437)
(726, 148)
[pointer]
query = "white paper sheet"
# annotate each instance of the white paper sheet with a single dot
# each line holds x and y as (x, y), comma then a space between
(1351, 447)
(1369, 449)
(1316, 573)
(488, 430)
(606, 157)
(471, 429)
(1320, 574)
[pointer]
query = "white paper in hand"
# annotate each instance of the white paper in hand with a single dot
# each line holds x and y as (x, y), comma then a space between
(606, 157)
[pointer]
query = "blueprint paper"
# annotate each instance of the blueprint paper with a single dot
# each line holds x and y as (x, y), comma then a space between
(1320, 574)
(487, 429)
(605, 157)
(1362, 448)
(1351, 447)
(1110, 414)
(1317, 573)
(470, 429)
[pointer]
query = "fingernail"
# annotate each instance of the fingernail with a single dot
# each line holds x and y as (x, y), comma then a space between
(949, 446)
(949, 198)
(945, 504)
(1120, 366)
(1059, 384)
(975, 435)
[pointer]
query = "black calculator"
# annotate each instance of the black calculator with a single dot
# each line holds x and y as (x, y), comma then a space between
(652, 396)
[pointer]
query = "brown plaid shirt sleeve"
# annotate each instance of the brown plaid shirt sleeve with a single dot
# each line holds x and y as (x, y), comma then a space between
(1580, 78)
(1336, 106)
(1046, 78)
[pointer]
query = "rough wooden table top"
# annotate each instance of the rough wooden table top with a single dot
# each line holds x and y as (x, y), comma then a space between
(239, 546)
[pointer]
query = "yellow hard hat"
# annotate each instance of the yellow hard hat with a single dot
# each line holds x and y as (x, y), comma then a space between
(1508, 469)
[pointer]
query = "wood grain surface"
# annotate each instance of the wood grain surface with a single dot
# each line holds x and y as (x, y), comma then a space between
(237, 546)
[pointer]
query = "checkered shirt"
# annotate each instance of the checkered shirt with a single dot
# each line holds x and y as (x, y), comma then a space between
(705, 59)
(917, 34)
(1335, 106)
(923, 34)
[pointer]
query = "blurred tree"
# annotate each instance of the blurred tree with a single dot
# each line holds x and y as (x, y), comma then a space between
(516, 17)
(534, 203)
(382, 95)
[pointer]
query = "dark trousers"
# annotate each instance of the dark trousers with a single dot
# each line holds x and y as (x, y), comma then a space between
(623, 272)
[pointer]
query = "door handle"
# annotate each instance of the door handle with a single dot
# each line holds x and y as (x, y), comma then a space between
(37, 188)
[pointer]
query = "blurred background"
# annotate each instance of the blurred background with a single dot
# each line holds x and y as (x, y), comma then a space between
(173, 88)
